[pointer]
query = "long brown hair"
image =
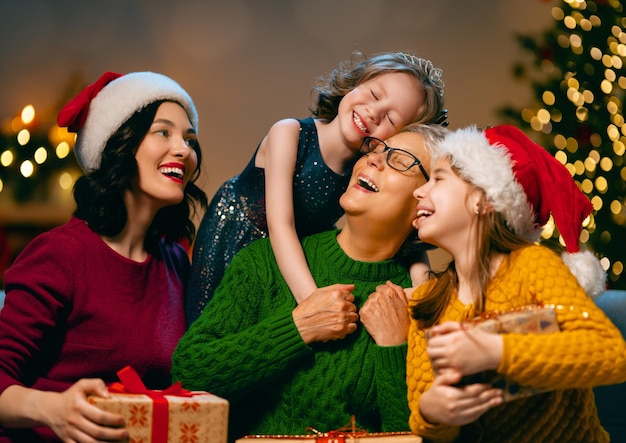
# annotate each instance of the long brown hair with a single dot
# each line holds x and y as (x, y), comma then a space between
(493, 237)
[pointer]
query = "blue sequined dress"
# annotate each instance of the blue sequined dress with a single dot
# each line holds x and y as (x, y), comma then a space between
(236, 215)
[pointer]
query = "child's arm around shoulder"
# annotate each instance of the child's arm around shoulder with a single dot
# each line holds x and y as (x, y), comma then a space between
(279, 152)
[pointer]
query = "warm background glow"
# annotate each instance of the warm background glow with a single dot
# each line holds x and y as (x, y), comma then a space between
(248, 63)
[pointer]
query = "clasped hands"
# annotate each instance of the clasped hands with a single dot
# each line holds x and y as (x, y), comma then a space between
(455, 351)
(329, 313)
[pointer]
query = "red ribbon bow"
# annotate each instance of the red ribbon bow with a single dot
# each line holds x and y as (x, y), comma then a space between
(339, 435)
(131, 383)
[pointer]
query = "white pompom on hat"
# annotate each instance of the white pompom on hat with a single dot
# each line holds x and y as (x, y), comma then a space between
(104, 106)
(526, 184)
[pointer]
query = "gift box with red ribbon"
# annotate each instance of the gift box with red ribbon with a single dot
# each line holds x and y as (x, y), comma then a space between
(165, 416)
(333, 437)
(347, 434)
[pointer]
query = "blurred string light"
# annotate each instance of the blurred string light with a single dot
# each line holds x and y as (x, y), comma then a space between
(580, 88)
(35, 161)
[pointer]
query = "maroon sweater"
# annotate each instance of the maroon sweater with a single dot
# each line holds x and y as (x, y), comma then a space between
(75, 309)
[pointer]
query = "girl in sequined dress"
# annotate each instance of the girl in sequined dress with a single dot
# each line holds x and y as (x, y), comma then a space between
(291, 186)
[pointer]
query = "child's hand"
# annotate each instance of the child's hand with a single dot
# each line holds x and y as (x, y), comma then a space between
(450, 405)
(468, 351)
(442, 119)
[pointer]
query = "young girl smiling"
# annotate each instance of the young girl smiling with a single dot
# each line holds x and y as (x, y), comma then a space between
(489, 194)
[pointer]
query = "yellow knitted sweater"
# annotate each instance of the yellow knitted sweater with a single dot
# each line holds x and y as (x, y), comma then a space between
(588, 351)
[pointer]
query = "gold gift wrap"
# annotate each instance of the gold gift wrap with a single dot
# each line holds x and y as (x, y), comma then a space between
(525, 320)
(173, 415)
(346, 434)
(365, 437)
(201, 418)
(532, 319)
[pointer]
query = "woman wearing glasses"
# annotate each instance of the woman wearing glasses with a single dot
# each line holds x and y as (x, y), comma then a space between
(291, 186)
(413, 253)
(339, 352)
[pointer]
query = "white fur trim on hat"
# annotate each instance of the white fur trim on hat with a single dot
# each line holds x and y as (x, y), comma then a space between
(490, 168)
(116, 103)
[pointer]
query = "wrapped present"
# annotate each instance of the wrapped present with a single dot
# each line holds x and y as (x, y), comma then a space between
(531, 319)
(165, 416)
(347, 434)
(374, 437)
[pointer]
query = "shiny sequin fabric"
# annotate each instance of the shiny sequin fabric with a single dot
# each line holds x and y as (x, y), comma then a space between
(236, 215)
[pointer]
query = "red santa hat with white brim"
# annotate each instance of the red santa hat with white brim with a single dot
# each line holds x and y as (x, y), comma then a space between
(104, 106)
(524, 183)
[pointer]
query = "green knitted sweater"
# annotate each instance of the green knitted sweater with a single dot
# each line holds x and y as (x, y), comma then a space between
(245, 347)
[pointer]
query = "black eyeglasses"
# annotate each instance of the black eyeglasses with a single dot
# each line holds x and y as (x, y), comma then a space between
(398, 159)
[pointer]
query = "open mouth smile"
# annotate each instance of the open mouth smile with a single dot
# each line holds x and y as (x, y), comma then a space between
(423, 213)
(359, 123)
(367, 184)
(175, 172)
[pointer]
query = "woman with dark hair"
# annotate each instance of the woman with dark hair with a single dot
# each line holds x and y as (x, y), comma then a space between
(100, 195)
(105, 290)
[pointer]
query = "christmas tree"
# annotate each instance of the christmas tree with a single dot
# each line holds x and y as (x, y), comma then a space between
(36, 155)
(576, 70)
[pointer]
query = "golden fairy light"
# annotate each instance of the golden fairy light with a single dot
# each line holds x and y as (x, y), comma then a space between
(66, 181)
(23, 137)
(6, 158)
(28, 114)
(27, 168)
(41, 155)
(63, 150)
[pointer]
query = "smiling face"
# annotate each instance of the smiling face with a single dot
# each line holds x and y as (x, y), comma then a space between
(380, 106)
(383, 196)
(446, 209)
(166, 158)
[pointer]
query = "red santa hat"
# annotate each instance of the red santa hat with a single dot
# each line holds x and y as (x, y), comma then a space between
(101, 108)
(526, 184)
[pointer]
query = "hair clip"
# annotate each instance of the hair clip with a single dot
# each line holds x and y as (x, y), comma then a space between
(434, 74)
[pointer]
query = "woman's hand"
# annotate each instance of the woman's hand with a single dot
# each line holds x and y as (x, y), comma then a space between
(68, 413)
(457, 406)
(74, 419)
(385, 315)
(468, 351)
(329, 313)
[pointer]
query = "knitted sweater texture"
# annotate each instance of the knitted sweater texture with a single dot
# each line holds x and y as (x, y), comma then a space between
(245, 347)
(588, 351)
(76, 309)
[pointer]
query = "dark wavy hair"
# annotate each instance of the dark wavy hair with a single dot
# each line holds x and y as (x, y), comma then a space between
(99, 194)
(349, 74)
